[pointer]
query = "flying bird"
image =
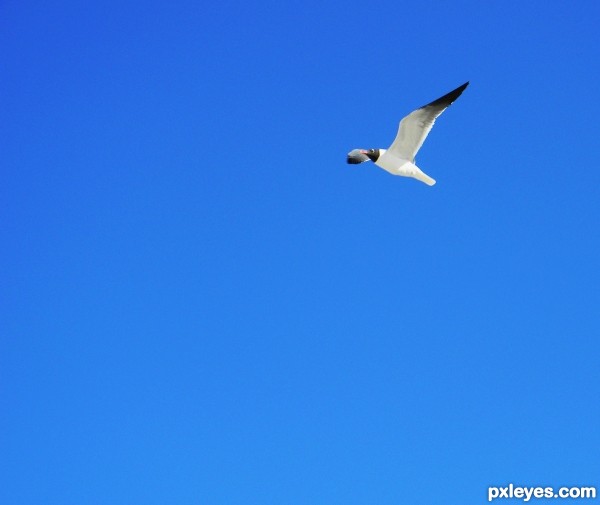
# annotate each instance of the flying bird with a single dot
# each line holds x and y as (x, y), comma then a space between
(399, 158)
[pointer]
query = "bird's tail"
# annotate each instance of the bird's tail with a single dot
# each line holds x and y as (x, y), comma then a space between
(423, 177)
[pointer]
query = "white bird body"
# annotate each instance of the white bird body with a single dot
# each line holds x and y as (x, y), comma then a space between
(398, 166)
(399, 158)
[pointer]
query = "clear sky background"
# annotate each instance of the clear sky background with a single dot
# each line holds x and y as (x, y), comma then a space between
(201, 303)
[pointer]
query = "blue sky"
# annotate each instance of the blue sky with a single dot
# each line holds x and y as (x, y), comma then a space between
(202, 303)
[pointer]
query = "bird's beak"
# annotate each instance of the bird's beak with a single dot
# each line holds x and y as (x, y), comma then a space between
(357, 156)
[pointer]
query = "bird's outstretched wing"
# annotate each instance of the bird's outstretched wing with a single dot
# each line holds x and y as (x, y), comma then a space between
(415, 127)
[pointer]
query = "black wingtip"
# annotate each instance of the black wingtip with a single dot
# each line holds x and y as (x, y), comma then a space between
(448, 98)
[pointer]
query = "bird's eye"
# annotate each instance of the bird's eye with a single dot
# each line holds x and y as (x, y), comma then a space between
(371, 150)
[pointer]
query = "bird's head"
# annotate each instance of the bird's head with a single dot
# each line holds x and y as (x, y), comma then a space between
(357, 156)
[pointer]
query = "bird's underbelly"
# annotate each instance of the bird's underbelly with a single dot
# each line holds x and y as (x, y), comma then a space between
(397, 166)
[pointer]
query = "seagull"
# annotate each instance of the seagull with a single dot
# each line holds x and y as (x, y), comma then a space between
(399, 158)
